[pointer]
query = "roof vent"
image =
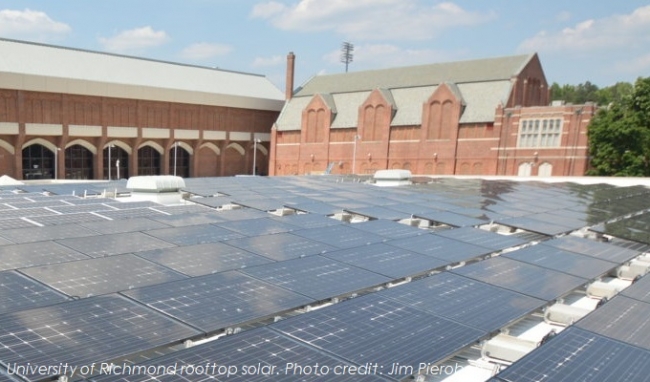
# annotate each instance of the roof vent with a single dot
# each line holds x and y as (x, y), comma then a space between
(163, 189)
(392, 178)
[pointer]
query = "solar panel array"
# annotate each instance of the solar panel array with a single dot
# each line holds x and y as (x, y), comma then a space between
(87, 280)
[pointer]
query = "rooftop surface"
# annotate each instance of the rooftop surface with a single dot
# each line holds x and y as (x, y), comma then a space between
(250, 278)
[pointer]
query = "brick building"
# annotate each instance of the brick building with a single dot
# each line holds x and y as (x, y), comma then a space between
(75, 114)
(481, 117)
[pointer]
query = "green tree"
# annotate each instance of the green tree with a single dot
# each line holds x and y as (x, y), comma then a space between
(619, 135)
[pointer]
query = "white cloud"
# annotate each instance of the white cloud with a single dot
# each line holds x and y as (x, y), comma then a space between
(617, 31)
(134, 40)
(205, 50)
(268, 61)
(31, 25)
(369, 19)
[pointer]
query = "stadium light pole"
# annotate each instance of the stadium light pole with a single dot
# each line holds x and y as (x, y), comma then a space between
(354, 154)
(175, 156)
(255, 142)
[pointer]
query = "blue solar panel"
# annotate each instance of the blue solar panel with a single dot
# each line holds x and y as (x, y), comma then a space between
(282, 246)
(218, 301)
(18, 292)
(450, 250)
(603, 251)
(251, 356)
(317, 277)
(385, 332)
(341, 236)
(524, 278)
(640, 290)
(464, 300)
(579, 355)
(82, 332)
(387, 260)
(482, 238)
(563, 261)
(622, 318)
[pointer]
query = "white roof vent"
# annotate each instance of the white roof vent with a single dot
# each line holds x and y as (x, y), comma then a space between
(391, 178)
(155, 184)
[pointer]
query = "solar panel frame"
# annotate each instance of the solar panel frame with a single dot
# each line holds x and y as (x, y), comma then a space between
(390, 261)
(257, 227)
(467, 301)
(114, 244)
(257, 355)
(482, 238)
(531, 280)
(307, 221)
(218, 301)
(340, 236)
(281, 246)
(450, 250)
(126, 225)
(562, 261)
(47, 233)
(376, 329)
(203, 259)
(579, 355)
(639, 290)
(18, 292)
(81, 332)
(317, 277)
(604, 251)
(92, 277)
(389, 229)
(621, 318)
(196, 234)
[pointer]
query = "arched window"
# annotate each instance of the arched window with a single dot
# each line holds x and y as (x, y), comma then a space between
(179, 161)
(38, 162)
(148, 161)
(119, 163)
(78, 163)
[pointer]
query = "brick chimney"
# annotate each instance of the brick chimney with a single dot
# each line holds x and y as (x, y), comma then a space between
(291, 63)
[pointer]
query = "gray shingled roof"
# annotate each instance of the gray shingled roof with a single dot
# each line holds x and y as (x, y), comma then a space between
(489, 69)
(481, 85)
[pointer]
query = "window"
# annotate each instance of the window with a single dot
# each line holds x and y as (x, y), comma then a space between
(540, 132)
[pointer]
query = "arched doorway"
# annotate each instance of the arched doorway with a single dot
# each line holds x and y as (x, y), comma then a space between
(148, 161)
(119, 163)
(545, 169)
(179, 161)
(525, 169)
(78, 163)
(38, 162)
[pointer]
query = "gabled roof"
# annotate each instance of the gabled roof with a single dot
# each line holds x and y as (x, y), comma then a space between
(489, 69)
(48, 68)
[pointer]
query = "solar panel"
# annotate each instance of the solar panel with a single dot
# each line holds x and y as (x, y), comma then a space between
(257, 227)
(187, 220)
(464, 300)
(452, 251)
(378, 212)
(34, 234)
(115, 244)
(101, 275)
(482, 238)
(563, 261)
(603, 251)
(317, 277)
(254, 355)
(75, 218)
(640, 290)
(17, 292)
(306, 221)
(31, 254)
(241, 214)
(621, 318)
(263, 203)
(219, 300)
(24, 212)
(82, 332)
(528, 224)
(196, 234)
(126, 225)
(16, 223)
(387, 260)
(450, 218)
(389, 229)
(520, 277)
(385, 332)
(314, 207)
(341, 236)
(281, 246)
(579, 355)
(203, 259)
(633, 228)
(129, 213)
(213, 202)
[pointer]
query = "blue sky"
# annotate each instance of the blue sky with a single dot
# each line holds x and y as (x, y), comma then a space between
(599, 41)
